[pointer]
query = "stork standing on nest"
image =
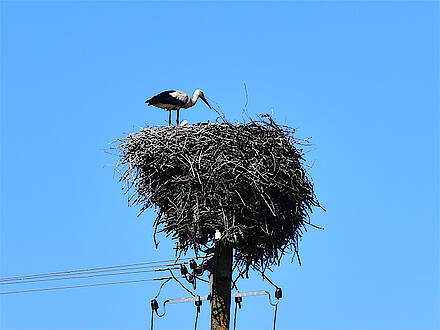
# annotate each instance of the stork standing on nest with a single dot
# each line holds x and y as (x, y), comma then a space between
(175, 100)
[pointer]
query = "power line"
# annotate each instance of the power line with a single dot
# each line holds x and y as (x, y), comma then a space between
(51, 277)
(86, 276)
(87, 285)
(91, 270)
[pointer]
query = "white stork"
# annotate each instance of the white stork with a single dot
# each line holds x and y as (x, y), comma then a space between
(175, 100)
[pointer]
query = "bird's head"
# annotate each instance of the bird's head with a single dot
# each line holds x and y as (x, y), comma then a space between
(199, 93)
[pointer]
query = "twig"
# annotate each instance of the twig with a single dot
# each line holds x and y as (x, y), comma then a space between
(247, 181)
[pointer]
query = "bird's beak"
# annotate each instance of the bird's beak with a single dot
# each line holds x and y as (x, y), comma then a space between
(204, 100)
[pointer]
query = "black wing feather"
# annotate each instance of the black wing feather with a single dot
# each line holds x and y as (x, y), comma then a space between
(165, 98)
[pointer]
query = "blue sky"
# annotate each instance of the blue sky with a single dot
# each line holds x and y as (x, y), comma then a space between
(361, 78)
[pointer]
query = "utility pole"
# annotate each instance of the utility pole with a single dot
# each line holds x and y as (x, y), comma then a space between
(220, 283)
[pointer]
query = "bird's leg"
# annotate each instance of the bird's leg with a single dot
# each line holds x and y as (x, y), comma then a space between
(169, 118)
(177, 121)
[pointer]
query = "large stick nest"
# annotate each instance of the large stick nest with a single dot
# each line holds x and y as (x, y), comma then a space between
(247, 181)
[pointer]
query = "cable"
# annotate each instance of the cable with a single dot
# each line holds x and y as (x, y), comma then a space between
(174, 277)
(235, 315)
(267, 278)
(161, 286)
(238, 301)
(152, 318)
(275, 316)
(198, 303)
(85, 276)
(86, 285)
(197, 317)
(108, 268)
(23, 279)
(201, 279)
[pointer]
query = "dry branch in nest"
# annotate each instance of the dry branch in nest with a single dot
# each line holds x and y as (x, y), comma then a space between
(247, 181)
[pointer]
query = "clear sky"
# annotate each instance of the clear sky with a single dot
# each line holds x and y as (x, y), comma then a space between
(361, 78)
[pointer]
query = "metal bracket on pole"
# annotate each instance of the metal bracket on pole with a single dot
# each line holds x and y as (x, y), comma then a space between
(208, 297)
(256, 293)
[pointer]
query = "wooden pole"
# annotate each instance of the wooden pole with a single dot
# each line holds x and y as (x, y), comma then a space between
(220, 282)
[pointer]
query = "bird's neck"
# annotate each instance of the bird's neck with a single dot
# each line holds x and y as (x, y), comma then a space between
(195, 98)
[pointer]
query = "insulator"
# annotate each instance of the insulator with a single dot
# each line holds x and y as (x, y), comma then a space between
(192, 264)
(238, 301)
(154, 305)
(191, 278)
(199, 270)
(198, 302)
(183, 270)
(194, 282)
(278, 293)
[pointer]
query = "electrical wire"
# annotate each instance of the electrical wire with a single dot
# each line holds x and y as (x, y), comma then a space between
(161, 286)
(235, 315)
(174, 277)
(152, 318)
(108, 268)
(267, 278)
(201, 279)
(86, 285)
(86, 276)
(22, 279)
(197, 317)
(275, 316)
